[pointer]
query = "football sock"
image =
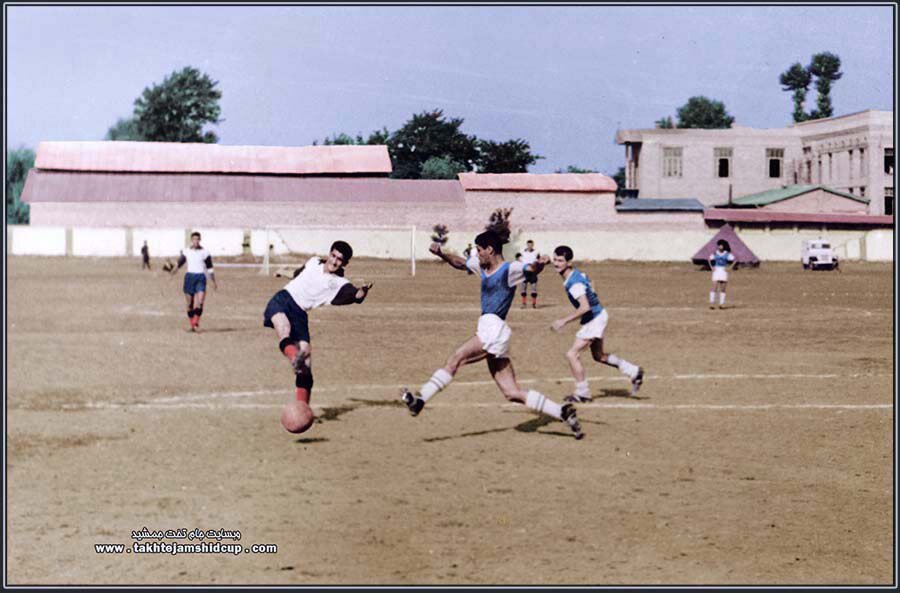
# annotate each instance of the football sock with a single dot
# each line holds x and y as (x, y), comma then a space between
(439, 380)
(624, 366)
(289, 348)
(721, 298)
(304, 384)
(582, 389)
(712, 297)
(541, 403)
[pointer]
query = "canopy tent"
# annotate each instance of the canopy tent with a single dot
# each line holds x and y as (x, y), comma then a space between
(742, 254)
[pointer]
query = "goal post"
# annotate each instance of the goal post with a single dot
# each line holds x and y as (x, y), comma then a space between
(282, 245)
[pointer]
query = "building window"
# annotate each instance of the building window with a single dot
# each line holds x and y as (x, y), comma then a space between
(775, 157)
(889, 201)
(862, 191)
(723, 161)
(862, 162)
(672, 161)
(889, 161)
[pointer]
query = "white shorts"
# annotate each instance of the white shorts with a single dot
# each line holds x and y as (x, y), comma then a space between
(720, 275)
(494, 334)
(593, 329)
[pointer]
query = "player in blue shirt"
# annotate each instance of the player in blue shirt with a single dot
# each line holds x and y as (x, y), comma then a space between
(491, 341)
(593, 318)
(719, 261)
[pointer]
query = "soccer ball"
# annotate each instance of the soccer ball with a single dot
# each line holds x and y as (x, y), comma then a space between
(297, 417)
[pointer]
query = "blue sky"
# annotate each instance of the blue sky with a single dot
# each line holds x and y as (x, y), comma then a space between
(562, 78)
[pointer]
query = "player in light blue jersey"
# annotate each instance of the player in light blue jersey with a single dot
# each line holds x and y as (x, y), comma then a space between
(719, 261)
(593, 317)
(491, 341)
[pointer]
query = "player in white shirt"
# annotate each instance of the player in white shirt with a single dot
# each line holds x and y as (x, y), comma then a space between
(529, 256)
(491, 341)
(199, 264)
(719, 261)
(318, 283)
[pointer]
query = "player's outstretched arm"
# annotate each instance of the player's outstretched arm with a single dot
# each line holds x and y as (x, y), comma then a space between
(212, 272)
(454, 260)
(583, 307)
(536, 266)
(349, 294)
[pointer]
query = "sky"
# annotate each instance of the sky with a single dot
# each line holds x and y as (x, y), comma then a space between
(563, 78)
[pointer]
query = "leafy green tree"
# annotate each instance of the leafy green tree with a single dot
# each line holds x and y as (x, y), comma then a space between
(18, 163)
(797, 79)
(619, 178)
(575, 169)
(512, 156)
(700, 112)
(826, 67)
(665, 123)
(427, 135)
(441, 168)
(177, 109)
(124, 129)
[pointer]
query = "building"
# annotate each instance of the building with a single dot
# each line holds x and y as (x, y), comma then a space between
(852, 153)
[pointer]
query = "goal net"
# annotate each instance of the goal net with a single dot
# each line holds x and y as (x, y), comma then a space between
(284, 248)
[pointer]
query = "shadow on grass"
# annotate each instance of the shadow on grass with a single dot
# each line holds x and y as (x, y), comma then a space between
(623, 393)
(531, 425)
(309, 440)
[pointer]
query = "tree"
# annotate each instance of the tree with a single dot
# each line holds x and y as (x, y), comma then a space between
(18, 163)
(124, 129)
(797, 79)
(665, 123)
(427, 135)
(619, 178)
(826, 68)
(700, 112)
(441, 168)
(512, 156)
(575, 169)
(177, 109)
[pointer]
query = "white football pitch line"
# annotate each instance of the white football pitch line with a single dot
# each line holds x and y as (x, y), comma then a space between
(204, 400)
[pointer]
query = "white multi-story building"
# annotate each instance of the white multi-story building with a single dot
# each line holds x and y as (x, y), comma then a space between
(852, 153)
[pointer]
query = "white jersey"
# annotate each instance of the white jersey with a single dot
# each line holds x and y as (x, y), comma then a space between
(529, 257)
(196, 260)
(314, 287)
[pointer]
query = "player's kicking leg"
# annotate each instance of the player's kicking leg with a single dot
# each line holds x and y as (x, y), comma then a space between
(471, 351)
(632, 371)
(505, 377)
(573, 356)
(189, 299)
(298, 352)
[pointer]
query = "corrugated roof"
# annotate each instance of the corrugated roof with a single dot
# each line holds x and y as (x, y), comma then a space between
(660, 205)
(174, 157)
(53, 186)
(785, 193)
(741, 215)
(552, 182)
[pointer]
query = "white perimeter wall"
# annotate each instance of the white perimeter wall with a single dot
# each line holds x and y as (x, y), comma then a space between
(657, 245)
(27, 240)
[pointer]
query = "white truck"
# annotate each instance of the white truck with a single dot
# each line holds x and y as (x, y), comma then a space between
(818, 254)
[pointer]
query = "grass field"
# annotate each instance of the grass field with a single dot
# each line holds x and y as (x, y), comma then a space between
(759, 451)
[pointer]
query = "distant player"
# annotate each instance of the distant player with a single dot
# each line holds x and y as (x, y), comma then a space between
(319, 282)
(199, 264)
(491, 341)
(145, 256)
(719, 261)
(529, 256)
(593, 318)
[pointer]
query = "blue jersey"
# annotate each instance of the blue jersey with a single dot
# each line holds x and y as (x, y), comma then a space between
(499, 289)
(720, 260)
(578, 284)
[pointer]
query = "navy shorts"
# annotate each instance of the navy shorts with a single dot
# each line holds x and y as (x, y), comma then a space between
(194, 283)
(530, 278)
(283, 302)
